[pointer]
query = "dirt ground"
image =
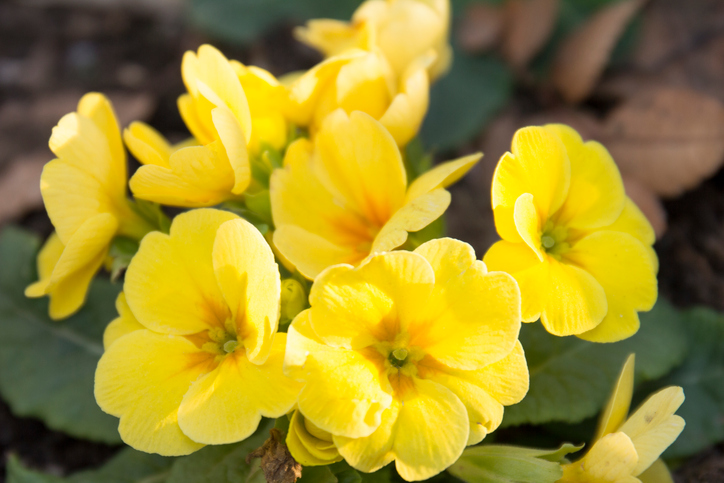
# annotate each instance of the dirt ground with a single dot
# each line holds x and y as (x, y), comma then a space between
(50, 55)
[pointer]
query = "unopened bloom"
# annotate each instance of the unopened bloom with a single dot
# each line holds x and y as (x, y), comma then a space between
(627, 450)
(309, 445)
(363, 81)
(403, 30)
(345, 195)
(232, 111)
(207, 364)
(577, 245)
(409, 357)
(84, 191)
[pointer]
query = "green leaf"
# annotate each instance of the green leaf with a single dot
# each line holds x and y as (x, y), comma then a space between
(510, 464)
(702, 377)
(122, 251)
(571, 379)
(128, 466)
(243, 20)
(224, 463)
(317, 474)
(463, 101)
(47, 367)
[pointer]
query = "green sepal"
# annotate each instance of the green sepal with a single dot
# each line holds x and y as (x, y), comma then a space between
(153, 214)
(121, 251)
(511, 464)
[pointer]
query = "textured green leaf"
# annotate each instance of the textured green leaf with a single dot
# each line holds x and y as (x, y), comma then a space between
(47, 367)
(570, 379)
(510, 464)
(129, 466)
(463, 101)
(702, 377)
(224, 463)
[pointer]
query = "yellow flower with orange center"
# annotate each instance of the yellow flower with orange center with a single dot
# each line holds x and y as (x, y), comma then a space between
(409, 357)
(195, 357)
(579, 248)
(344, 195)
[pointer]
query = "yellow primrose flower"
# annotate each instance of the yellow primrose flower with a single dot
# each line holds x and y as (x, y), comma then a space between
(409, 357)
(345, 195)
(84, 191)
(403, 30)
(577, 245)
(362, 81)
(207, 363)
(309, 445)
(218, 115)
(625, 449)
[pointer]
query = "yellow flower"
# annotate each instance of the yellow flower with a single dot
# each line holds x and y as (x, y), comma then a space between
(309, 445)
(207, 363)
(345, 195)
(403, 30)
(577, 245)
(362, 81)
(84, 191)
(625, 449)
(233, 111)
(409, 357)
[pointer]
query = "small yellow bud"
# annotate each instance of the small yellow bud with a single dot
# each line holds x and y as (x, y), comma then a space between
(293, 299)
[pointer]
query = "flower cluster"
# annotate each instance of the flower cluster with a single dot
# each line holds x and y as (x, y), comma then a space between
(301, 293)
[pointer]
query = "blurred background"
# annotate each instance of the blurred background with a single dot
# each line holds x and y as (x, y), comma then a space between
(646, 78)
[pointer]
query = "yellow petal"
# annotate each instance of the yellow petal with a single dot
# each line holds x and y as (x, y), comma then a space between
(361, 85)
(81, 144)
(77, 265)
(355, 308)
(319, 232)
(301, 342)
(306, 448)
(654, 426)
(198, 176)
(616, 410)
(69, 209)
(612, 459)
(345, 392)
(596, 194)
(370, 453)
(471, 321)
(47, 259)
(538, 165)
(622, 266)
(98, 108)
(575, 302)
(226, 405)
(633, 222)
(310, 253)
(442, 176)
(404, 116)
(248, 277)
(232, 137)
(203, 131)
(360, 164)
(305, 90)
(414, 216)
(657, 473)
(170, 284)
(528, 223)
(447, 257)
(431, 433)
(329, 36)
(142, 379)
(124, 324)
(147, 145)
(484, 392)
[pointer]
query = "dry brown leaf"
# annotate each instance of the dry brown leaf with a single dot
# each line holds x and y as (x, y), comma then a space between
(528, 25)
(480, 28)
(20, 185)
(584, 54)
(277, 463)
(668, 139)
(648, 203)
